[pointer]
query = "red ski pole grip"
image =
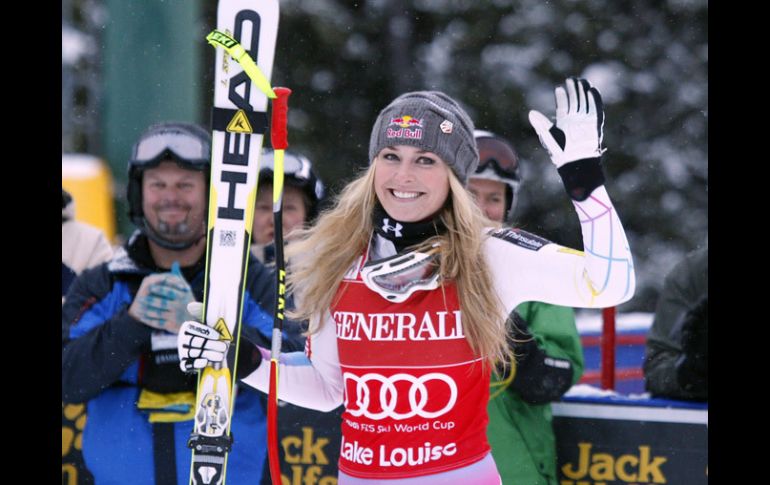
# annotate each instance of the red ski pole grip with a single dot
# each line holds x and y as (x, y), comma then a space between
(278, 129)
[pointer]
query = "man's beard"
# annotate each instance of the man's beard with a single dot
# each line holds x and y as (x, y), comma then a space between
(178, 231)
(168, 230)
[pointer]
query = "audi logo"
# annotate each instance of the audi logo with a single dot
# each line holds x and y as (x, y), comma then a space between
(389, 398)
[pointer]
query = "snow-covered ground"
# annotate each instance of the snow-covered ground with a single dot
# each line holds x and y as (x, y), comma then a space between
(587, 390)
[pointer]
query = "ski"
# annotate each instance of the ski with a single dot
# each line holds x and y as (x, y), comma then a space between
(239, 121)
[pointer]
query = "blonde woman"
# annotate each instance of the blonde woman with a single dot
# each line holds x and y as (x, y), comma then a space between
(406, 283)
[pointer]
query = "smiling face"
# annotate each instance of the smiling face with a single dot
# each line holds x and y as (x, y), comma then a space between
(411, 184)
(174, 201)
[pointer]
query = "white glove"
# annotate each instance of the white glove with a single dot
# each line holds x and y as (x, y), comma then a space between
(579, 125)
(199, 345)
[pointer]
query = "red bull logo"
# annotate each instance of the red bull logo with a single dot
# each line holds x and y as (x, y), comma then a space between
(406, 122)
(409, 127)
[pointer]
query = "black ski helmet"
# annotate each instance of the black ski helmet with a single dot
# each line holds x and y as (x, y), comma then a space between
(499, 161)
(298, 172)
(187, 144)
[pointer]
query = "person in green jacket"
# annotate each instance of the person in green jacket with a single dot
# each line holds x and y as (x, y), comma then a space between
(549, 356)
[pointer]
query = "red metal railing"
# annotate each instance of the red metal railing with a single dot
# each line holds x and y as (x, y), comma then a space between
(608, 348)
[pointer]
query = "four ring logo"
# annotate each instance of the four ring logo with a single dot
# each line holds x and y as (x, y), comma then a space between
(390, 395)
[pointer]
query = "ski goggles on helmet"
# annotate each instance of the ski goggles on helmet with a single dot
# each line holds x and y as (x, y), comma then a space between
(293, 165)
(180, 144)
(398, 277)
(297, 170)
(502, 170)
(494, 155)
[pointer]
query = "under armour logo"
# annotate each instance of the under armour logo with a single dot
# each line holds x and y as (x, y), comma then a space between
(387, 227)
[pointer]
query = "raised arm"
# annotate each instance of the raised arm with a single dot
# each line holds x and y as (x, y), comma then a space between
(603, 274)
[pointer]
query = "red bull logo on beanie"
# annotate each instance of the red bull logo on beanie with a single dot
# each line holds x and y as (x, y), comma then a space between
(409, 127)
(406, 122)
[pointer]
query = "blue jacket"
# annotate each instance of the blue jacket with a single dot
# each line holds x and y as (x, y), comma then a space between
(107, 360)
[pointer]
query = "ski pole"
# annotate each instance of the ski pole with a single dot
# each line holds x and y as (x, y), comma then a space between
(279, 141)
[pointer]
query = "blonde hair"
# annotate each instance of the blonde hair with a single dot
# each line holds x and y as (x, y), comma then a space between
(322, 254)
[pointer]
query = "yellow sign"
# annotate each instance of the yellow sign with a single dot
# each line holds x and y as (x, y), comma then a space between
(629, 468)
(307, 459)
(240, 124)
(221, 327)
(89, 181)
